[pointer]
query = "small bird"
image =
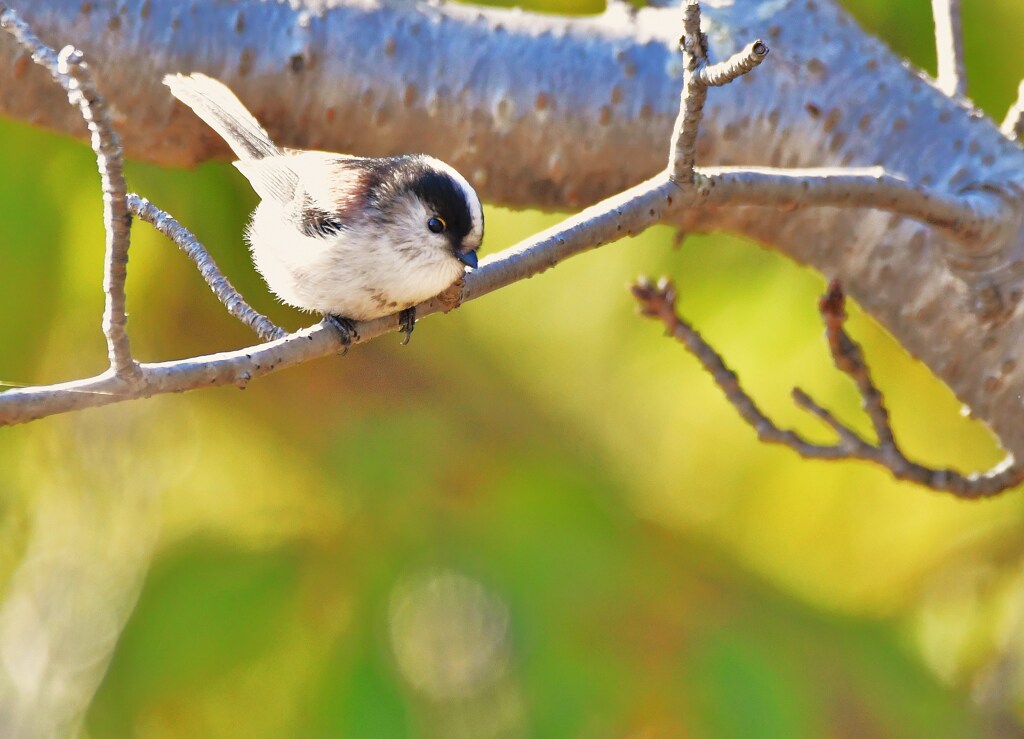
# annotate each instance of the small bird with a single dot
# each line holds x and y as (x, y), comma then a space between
(351, 237)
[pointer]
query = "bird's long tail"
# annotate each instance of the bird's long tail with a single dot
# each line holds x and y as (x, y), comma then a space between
(224, 113)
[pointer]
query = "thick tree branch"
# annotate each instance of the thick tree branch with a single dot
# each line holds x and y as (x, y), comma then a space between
(470, 84)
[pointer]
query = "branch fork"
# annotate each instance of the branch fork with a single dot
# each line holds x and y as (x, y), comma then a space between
(980, 221)
(658, 301)
(698, 76)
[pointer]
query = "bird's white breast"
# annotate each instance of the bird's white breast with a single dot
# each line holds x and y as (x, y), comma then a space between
(353, 273)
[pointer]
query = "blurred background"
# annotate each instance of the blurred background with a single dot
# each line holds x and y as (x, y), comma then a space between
(540, 518)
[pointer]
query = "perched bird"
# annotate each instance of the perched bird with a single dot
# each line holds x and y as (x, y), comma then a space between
(353, 238)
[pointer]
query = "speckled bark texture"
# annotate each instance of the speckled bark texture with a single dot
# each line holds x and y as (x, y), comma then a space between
(556, 113)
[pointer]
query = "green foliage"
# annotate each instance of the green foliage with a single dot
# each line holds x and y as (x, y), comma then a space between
(207, 612)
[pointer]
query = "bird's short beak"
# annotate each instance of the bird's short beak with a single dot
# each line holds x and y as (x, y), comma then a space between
(469, 259)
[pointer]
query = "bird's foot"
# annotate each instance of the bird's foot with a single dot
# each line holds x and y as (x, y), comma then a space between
(407, 322)
(346, 327)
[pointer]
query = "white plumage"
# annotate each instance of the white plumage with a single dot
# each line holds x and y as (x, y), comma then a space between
(346, 236)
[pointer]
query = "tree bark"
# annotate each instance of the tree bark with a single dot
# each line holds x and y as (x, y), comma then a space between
(558, 112)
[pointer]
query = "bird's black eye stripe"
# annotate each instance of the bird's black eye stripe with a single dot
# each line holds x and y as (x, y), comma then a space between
(437, 225)
(317, 222)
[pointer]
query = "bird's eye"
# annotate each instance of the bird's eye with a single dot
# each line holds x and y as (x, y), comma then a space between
(437, 225)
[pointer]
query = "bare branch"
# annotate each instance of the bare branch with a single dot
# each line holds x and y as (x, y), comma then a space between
(682, 152)
(1013, 124)
(972, 218)
(646, 293)
(116, 219)
(219, 284)
(949, 47)
(850, 439)
(849, 359)
(659, 302)
(70, 70)
(969, 217)
(735, 66)
(697, 77)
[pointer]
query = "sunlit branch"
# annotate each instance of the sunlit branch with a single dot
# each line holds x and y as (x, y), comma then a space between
(969, 217)
(70, 70)
(116, 220)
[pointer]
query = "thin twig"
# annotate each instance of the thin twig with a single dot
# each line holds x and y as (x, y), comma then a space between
(116, 219)
(1013, 124)
(41, 54)
(682, 153)
(646, 293)
(969, 216)
(850, 440)
(697, 77)
(219, 284)
(735, 66)
(849, 359)
(949, 47)
(659, 302)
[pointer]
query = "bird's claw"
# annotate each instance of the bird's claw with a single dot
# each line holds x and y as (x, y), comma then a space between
(406, 323)
(345, 327)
